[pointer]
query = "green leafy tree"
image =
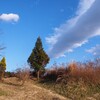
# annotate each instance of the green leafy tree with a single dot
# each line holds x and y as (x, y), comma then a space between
(38, 58)
(2, 67)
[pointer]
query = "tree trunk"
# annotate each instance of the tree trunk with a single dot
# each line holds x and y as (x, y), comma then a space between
(1, 75)
(38, 74)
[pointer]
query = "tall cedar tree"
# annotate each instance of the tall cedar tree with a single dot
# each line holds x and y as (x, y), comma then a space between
(2, 67)
(38, 58)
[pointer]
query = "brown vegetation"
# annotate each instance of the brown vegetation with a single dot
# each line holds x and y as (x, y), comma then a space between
(10, 89)
(22, 74)
(88, 72)
(75, 80)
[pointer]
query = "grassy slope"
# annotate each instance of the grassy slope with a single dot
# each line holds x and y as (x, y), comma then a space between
(74, 91)
(10, 89)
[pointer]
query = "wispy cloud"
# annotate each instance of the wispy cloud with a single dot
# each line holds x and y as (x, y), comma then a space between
(83, 6)
(95, 50)
(9, 17)
(76, 31)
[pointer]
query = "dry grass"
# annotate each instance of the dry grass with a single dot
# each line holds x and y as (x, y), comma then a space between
(23, 74)
(13, 91)
(76, 80)
(74, 90)
(88, 72)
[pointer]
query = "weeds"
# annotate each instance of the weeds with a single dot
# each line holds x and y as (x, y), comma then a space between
(75, 80)
(22, 74)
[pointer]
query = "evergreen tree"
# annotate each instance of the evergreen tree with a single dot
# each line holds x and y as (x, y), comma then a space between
(38, 58)
(2, 67)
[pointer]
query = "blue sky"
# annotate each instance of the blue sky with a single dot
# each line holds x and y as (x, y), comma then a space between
(69, 29)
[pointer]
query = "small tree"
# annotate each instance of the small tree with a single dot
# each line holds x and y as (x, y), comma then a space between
(2, 67)
(38, 58)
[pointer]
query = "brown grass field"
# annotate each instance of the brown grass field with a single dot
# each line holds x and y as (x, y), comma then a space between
(76, 81)
(10, 89)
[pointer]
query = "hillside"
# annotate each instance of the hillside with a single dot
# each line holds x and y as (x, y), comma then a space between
(10, 89)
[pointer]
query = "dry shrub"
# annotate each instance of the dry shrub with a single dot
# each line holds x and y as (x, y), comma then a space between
(22, 74)
(75, 80)
(55, 72)
(50, 75)
(88, 72)
(9, 74)
(72, 67)
(61, 70)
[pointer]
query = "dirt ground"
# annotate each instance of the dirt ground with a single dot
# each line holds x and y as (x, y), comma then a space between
(10, 89)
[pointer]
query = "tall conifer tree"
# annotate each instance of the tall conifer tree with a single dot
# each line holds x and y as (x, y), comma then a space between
(38, 58)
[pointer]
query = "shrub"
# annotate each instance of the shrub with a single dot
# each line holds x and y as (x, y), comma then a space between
(2, 67)
(22, 74)
(50, 75)
(75, 80)
(88, 72)
(54, 73)
(9, 74)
